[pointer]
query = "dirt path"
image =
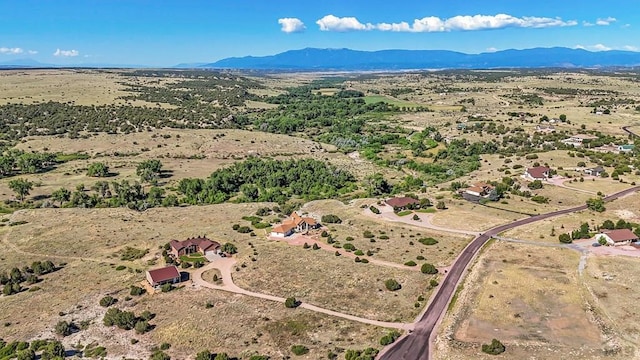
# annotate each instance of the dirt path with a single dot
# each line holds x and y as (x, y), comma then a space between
(559, 182)
(225, 266)
(387, 214)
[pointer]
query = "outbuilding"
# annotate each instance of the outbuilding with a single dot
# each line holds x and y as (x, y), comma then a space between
(165, 275)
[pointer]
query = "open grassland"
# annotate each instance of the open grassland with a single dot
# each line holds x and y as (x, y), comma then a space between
(79, 87)
(334, 282)
(607, 278)
(101, 233)
(463, 215)
(392, 241)
(245, 326)
(606, 186)
(531, 299)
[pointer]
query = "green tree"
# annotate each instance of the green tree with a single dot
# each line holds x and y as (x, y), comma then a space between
(608, 224)
(149, 171)
(299, 350)
(392, 285)
(602, 240)
(596, 204)
(53, 350)
(61, 195)
(64, 328)
(495, 348)
(26, 354)
(565, 238)
(159, 355)
(98, 169)
(229, 248)
(21, 187)
(441, 205)
(221, 356)
(377, 185)
(427, 268)
(291, 302)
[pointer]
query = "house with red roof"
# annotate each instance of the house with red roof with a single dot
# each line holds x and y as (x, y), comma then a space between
(198, 244)
(618, 237)
(294, 223)
(165, 275)
(537, 173)
(403, 202)
(479, 189)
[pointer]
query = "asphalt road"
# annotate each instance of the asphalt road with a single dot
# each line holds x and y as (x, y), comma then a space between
(415, 346)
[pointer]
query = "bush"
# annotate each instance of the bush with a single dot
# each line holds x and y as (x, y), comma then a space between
(98, 169)
(131, 253)
(291, 303)
(159, 355)
(390, 338)
(392, 285)
(229, 248)
(64, 328)
(120, 267)
(166, 287)
(433, 283)
(300, 349)
(244, 229)
(358, 252)
(367, 234)
(108, 301)
(416, 217)
(410, 263)
(165, 346)
(315, 246)
(565, 238)
(494, 348)
(428, 269)
(428, 241)
(142, 327)
(331, 219)
(374, 210)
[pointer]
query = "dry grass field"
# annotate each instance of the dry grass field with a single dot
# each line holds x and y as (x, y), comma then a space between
(333, 282)
(608, 278)
(89, 241)
(532, 300)
(393, 241)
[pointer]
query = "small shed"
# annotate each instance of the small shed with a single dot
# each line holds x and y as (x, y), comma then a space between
(165, 275)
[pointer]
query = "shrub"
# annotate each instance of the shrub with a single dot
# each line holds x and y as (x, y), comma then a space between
(291, 303)
(142, 327)
(367, 234)
(428, 241)
(165, 346)
(229, 248)
(433, 283)
(244, 229)
(120, 267)
(98, 169)
(374, 209)
(324, 233)
(428, 269)
(358, 252)
(331, 219)
(349, 247)
(315, 246)
(108, 301)
(565, 238)
(159, 355)
(390, 338)
(166, 287)
(131, 253)
(495, 348)
(410, 263)
(392, 285)
(300, 349)
(64, 328)
(416, 217)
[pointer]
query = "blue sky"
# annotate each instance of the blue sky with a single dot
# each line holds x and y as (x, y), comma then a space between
(168, 32)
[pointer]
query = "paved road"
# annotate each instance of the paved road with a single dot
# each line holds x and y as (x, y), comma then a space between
(415, 346)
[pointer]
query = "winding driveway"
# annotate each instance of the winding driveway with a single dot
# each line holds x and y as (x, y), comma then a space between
(416, 345)
(225, 265)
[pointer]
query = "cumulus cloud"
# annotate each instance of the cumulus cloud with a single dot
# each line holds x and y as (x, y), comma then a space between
(32, 52)
(436, 24)
(491, 49)
(291, 25)
(631, 48)
(605, 22)
(334, 23)
(11, 51)
(66, 53)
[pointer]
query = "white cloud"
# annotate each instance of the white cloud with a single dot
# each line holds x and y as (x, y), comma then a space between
(66, 53)
(596, 47)
(491, 49)
(291, 25)
(631, 48)
(32, 52)
(436, 24)
(334, 23)
(11, 51)
(605, 22)
(586, 23)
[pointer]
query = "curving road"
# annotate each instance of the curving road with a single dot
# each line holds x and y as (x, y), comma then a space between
(416, 345)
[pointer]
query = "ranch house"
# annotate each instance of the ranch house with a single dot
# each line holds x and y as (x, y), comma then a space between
(194, 245)
(294, 223)
(402, 203)
(618, 237)
(165, 275)
(537, 173)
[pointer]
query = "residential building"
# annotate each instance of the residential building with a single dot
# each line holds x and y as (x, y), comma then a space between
(194, 245)
(537, 173)
(479, 189)
(294, 223)
(617, 237)
(401, 203)
(579, 139)
(626, 148)
(596, 171)
(165, 275)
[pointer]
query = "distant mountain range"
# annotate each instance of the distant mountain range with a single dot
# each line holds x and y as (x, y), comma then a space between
(311, 59)
(346, 59)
